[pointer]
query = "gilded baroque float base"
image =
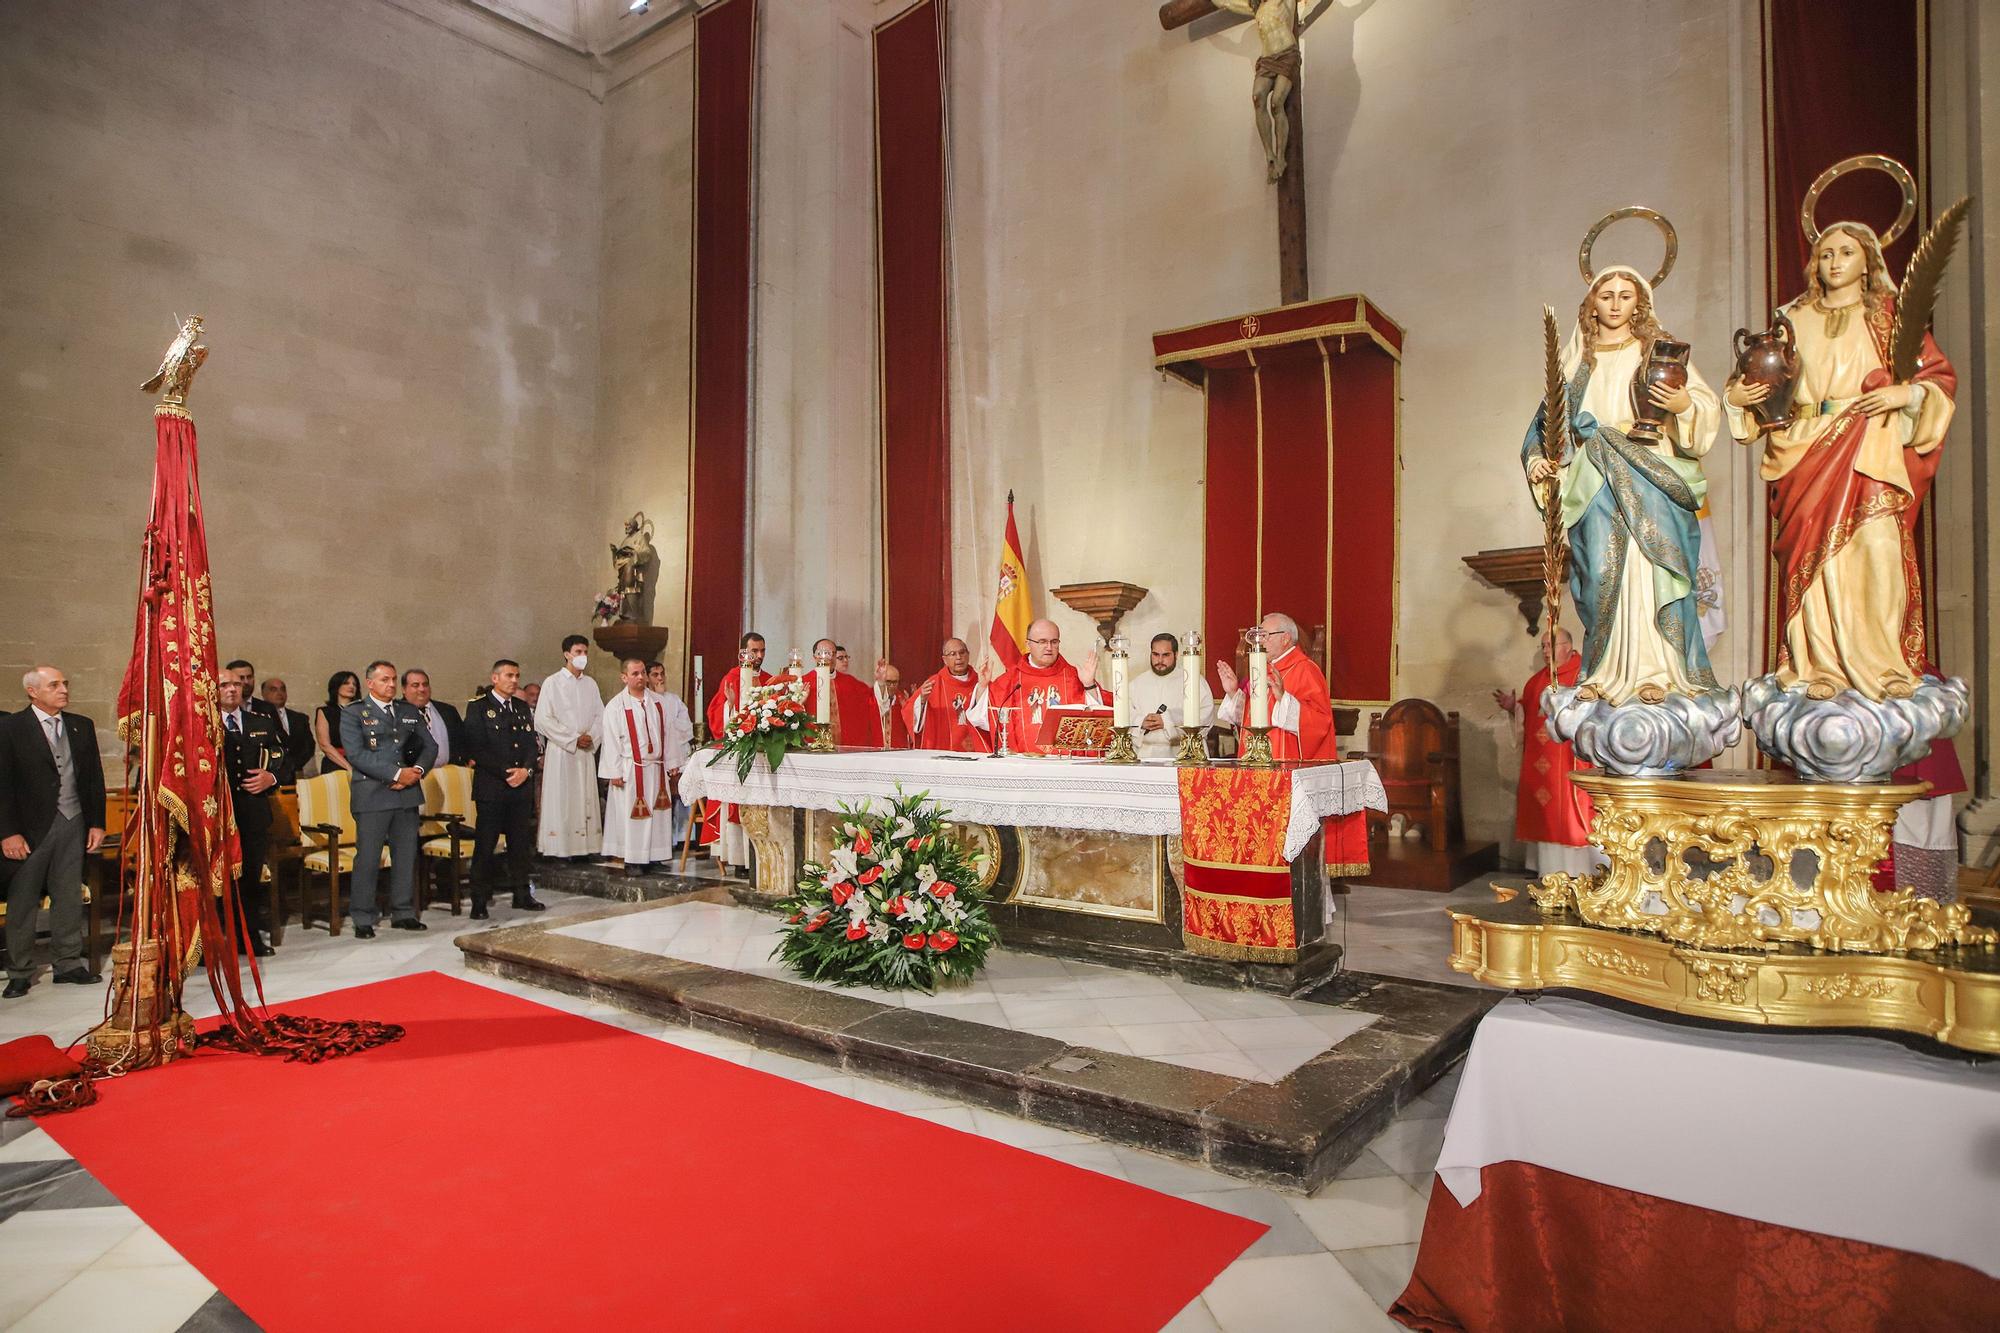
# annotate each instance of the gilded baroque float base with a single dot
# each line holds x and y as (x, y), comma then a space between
(1951, 995)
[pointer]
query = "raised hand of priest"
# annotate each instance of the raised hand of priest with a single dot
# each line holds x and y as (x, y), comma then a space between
(925, 692)
(1277, 684)
(1086, 675)
(1225, 675)
(1506, 701)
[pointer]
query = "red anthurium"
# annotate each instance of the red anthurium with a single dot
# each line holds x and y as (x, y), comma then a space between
(841, 893)
(944, 888)
(870, 875)
(818, 921)
(895, 906)
(794, 918)
(942, 940)
(913, 942)
(863, 844)
(857, 931)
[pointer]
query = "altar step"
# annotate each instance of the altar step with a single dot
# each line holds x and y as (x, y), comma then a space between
(592, 879)
(1294, 1134)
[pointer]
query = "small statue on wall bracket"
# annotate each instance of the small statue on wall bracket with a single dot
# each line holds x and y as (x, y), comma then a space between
(631, 559)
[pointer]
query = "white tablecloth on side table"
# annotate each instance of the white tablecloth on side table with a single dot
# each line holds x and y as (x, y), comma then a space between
(1849, 1136)
(1022, 791)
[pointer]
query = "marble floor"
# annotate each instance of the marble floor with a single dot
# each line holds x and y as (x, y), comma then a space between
(1245, 1034)
(73, 1258)
(1406, 932)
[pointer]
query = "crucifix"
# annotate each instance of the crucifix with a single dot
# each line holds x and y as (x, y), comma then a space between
(1275, 95)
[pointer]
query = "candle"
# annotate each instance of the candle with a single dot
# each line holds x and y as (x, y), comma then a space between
(823, 694)
(1260, 687)
(745, 681)
(1121, 698)
(1191, 686)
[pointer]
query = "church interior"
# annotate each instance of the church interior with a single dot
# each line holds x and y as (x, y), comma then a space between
(1233, 665)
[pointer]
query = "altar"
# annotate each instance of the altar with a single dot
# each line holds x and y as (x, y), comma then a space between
(1082, 858)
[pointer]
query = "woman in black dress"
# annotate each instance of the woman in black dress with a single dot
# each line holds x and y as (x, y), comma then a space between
(342, 689)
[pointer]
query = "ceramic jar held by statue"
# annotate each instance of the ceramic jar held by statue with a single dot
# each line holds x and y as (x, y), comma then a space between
(1771, 359)
(1668, 367)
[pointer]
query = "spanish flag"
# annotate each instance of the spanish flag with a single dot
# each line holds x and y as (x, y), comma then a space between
(1012, 609)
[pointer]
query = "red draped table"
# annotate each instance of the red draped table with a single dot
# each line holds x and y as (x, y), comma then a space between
(1609, 1170)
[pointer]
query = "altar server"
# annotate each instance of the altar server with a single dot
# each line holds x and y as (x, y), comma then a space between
(1159, 700)
(1301, 712)
(1042, 678)
(936, 711)
(678, 716)
(570, 716)
(641, 747)
(856, 720)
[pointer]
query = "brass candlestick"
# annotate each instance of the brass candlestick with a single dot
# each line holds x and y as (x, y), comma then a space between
(822, 741)
(1121, 751)
(1193, 750)
(1257, 749)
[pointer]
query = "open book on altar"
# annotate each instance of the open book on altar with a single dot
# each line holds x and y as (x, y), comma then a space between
(1074, 729)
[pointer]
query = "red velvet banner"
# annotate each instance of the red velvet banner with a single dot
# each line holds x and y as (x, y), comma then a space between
(1293, 542)
(725, 65)
(911, 273)
(1842, 78)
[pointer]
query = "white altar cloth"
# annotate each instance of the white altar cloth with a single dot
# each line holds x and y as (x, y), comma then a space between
(1848, 1136)
(1021, 791)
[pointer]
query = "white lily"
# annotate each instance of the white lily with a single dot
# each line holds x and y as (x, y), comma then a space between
(846, 863)
(926, 876)
(904, 830)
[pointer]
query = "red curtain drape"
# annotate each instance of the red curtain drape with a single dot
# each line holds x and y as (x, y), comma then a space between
(725, 63)
(1842, 77)
(911, 214)
(1542, 1250)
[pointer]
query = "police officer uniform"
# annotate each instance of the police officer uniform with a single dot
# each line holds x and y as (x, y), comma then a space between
(499, 735)
(250, 741)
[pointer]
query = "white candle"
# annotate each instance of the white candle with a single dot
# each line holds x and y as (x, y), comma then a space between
(1260, 688)
(745, 681)
(1191, 691)
(823, 695)
(1121, 698)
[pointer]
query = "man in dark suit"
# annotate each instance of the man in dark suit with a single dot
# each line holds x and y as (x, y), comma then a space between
(250, 755)
(295, 733)
(446, 727)
(51, 817)
(390, 748)
(500, 742)
(246, 675)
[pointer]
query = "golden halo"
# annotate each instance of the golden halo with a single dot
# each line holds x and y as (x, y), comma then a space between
(1864, 162)
(1653, 216)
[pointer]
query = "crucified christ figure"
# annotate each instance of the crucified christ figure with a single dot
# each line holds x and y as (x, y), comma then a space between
(1278, 30)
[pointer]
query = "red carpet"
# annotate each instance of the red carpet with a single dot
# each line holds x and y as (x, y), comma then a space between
(508, 1165)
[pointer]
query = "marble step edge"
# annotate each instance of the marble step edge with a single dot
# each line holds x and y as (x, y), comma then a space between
(1293, 1134)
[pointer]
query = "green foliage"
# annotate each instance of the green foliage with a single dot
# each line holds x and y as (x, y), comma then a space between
(773, 720)
(895, 908)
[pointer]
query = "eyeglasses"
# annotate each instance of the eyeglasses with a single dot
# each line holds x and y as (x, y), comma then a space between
(1046, 642)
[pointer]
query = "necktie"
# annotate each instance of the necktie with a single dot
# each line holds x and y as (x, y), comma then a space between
(56, 737)
(234, 725)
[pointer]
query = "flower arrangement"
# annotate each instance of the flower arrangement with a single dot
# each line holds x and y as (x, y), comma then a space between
(772, 720)
(895, 907)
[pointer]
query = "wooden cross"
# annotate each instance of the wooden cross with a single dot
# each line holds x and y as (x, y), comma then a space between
(1292, 283)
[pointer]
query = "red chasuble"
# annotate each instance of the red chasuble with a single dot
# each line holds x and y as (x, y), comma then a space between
(728, 698)
(855, 719)
(1025, 685)
(945, 727)
(1346, 837)
(1549, 807)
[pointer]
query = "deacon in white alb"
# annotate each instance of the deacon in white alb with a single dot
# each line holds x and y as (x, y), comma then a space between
(570, 715)
(1159, 701)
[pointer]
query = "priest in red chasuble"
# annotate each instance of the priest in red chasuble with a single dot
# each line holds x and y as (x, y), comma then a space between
(935, 712)
(1301, 711)
(855, 720)
(1041, 678)
(1551, 813)
(720, 824)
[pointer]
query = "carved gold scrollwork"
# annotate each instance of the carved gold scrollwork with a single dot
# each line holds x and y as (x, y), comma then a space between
(1735, 827)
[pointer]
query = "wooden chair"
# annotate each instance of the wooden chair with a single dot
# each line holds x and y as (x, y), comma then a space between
(1414, 747)
(326, 827)
(283, 858)
(447, 834)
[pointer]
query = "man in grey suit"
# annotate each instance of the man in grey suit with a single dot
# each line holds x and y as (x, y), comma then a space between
(390, 747)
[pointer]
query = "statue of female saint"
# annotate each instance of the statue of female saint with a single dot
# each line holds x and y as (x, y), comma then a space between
(1849, 473)
(1630, 507)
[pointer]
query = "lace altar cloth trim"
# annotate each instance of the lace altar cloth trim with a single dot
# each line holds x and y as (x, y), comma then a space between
(1022, 792)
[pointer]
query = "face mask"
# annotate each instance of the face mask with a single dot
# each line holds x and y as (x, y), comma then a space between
(580, 661)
